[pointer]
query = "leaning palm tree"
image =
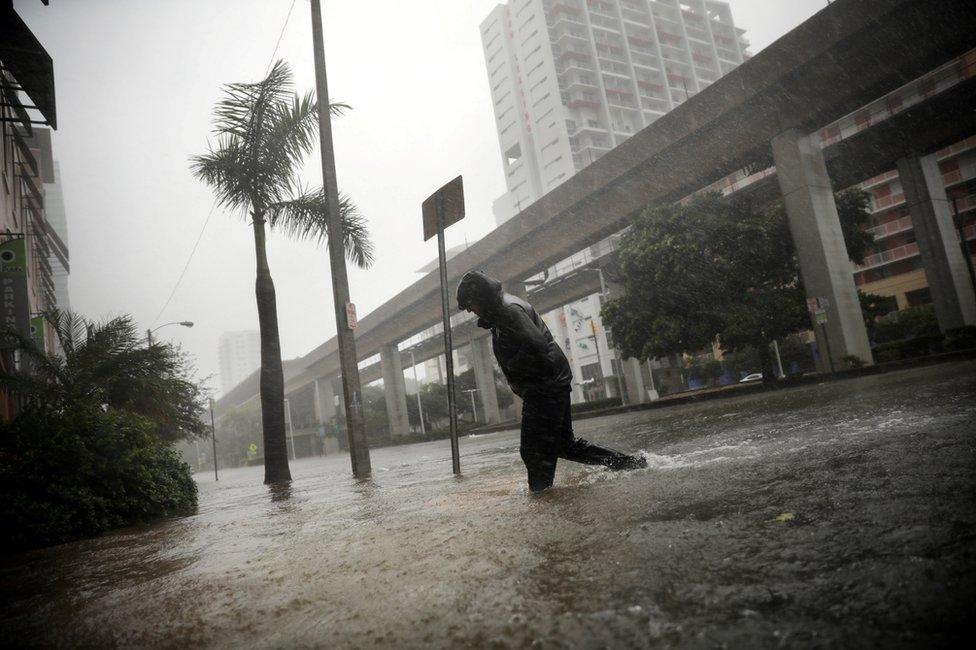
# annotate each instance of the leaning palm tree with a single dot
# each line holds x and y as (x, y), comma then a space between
(263, 132)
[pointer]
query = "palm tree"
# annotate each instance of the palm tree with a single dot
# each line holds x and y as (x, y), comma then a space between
(264, 131)
(106, 365)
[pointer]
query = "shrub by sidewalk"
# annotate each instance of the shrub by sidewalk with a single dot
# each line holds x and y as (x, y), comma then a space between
(64, 476)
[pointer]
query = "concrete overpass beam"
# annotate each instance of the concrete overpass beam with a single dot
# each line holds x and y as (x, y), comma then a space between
(484, 375)
(938, 242)
(824, 265)
(396, 390)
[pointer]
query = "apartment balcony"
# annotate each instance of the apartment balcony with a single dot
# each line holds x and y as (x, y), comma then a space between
(574, 55)
(580, 102)
(637, 39)
(656, 105)
(635, 16)
(573, 66)
(678, 80)
(899, 225)
(727, 55)
(578, 83)
(874, 181)
(566, 36)
(649, 61)
(668, 38)
(650, 85)
(956, 149)
(697, 34)
(887, 257)
(564, 8)
(882, 203)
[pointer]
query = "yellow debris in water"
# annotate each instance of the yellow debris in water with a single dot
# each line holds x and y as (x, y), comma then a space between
(783, 518)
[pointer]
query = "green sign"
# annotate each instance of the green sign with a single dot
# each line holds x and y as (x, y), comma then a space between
(821, 317)
(14, 306)
(37, 332)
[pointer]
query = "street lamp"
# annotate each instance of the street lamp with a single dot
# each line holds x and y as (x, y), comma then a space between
(474, 409)
(184, 323)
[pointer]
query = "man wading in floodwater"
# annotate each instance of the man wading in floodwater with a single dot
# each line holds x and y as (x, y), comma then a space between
(538, 372)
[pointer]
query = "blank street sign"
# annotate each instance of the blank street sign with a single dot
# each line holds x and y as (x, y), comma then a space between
(453, 205)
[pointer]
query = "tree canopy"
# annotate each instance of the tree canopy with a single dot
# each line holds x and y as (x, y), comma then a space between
(715, 268)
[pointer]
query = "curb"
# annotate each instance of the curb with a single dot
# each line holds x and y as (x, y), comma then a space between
(735, 390)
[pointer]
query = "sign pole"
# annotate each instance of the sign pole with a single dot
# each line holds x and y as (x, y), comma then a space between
(448, 343)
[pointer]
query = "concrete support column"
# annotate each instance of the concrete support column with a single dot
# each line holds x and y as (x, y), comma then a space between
(824, 265)
(395, 389)
(634, 380)
(938, 242)
(324, 400)
(484, 376)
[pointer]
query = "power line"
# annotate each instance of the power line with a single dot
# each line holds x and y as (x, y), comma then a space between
(282, 33)
(185, 266)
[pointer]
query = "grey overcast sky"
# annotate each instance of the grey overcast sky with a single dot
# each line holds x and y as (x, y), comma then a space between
(136, 81)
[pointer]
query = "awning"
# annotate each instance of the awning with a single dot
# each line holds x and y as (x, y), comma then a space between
(23, 57)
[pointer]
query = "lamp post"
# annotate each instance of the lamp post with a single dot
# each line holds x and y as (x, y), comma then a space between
(420, 407)
(184, 323)
(474, 408)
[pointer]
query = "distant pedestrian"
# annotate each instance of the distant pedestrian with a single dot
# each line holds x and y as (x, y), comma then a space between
(539, 373)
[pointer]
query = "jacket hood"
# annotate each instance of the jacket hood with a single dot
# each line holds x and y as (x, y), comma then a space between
(475, 286)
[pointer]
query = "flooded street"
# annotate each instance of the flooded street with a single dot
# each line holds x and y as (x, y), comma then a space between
(837, 515)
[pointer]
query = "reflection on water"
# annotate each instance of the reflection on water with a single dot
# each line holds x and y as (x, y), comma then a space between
(417, 555)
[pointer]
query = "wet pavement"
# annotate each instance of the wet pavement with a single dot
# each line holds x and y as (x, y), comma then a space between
(837, 515)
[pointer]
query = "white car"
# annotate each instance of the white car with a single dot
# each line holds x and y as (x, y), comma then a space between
(756, 376)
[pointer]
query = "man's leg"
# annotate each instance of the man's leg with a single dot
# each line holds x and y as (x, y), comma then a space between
(582, 451)
(541, 423)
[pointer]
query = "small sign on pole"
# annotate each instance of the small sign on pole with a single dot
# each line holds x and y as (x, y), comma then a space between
(351, 321)
(441, 209)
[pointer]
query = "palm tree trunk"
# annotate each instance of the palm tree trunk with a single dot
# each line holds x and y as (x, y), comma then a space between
(272, 378)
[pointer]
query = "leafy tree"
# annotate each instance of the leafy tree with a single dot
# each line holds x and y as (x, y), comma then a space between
(237, 429)
(108, 365)
(716, 268)
(264, 131)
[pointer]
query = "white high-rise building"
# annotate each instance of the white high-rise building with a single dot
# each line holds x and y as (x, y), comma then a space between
(571, 79)
(239, 355)
(57, 221)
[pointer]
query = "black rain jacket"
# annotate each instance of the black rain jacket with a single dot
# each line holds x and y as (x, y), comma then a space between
(530, 359)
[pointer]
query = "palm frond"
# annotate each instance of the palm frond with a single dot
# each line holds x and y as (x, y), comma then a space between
(245, 105)
(306, 217)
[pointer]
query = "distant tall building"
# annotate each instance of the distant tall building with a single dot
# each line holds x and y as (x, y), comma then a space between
(571, 79)
(239, 355)
(58, 238)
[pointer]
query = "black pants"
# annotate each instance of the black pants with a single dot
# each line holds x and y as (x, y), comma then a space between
(547, 434)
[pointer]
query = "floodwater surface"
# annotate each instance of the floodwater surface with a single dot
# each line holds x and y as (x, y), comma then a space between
(836, 515)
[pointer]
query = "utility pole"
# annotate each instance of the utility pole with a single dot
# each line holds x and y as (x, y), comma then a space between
(351, 388)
